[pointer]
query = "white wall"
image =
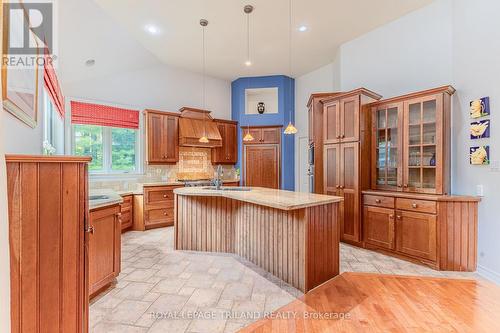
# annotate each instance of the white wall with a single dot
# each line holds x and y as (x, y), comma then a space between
(410, 54)
(453, 42)
(324, 79)
(159, 87)
(476, 73)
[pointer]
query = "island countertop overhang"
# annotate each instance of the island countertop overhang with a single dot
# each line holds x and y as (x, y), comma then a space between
(279, 199)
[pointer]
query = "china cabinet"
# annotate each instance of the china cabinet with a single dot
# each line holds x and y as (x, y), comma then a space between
(411, 142)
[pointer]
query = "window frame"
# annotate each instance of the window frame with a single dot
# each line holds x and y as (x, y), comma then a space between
(107, 152)
(52, 123)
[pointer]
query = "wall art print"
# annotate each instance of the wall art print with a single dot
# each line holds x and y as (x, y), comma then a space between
(480, 155)
(480, 129)
(480, 108)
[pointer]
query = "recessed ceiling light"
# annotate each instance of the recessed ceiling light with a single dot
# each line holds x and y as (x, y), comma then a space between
(90, 63)
(152, 29)
(248, 63)
(302, 28)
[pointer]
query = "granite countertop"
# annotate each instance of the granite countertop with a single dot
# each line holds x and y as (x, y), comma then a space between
(285, 200)
(113, 198)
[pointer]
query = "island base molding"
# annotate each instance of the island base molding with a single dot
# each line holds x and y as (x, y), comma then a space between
(301, 247)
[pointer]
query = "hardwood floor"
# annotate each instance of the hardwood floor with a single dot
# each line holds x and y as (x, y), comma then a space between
(362, 302)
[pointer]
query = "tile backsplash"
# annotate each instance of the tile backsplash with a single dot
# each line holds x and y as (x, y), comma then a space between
(194, 163)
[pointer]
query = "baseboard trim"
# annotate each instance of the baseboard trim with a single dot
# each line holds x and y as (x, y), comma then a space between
(488, 274)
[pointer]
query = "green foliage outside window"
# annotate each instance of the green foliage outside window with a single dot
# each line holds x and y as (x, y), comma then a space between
(123, 149)
(89, 142)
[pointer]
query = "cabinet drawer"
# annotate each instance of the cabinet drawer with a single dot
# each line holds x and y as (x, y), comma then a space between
(423, 206)
(126, 219)
(159, 216)
(159, 195)
(378, 201)
(127, 202)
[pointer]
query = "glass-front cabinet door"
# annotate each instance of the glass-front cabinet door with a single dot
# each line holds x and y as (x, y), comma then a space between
(386, 155)
(422, 157)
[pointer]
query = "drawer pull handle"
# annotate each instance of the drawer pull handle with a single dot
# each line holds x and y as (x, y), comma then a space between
(378, 201)
(414, 205)
(164, 195)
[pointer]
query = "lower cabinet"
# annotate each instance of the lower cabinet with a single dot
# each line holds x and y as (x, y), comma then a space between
(379, 227)
(415, 227)
(127, 211)
(104, 247)
(416, 234)
(155, 208)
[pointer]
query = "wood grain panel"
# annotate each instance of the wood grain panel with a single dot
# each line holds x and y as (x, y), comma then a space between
(47, 209)
(458, 236)
(284, 243)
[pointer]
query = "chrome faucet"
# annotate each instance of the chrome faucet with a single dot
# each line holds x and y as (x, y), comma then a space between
(218, 180)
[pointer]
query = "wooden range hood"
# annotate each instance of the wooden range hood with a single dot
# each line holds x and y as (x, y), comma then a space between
(193, 124)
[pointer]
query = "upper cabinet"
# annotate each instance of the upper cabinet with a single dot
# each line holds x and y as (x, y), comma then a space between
(264, 135)
(411, 142)
(162, 131)
(228, 152)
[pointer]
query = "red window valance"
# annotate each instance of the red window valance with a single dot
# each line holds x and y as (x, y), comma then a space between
(103, 115)
(52, 85)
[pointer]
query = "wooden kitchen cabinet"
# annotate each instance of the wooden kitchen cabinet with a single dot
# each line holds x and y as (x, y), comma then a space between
(379, 229)
(342, 179)
(228, 153)
(416, 234)
(162, 133)
(262, 166)
(104, 247)
(411, 142)
(127, 212)
(155, 208)
(439, 231)
(47, 206)
(265, 135)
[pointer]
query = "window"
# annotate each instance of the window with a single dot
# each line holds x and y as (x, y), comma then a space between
(113, 150)
(53, 125)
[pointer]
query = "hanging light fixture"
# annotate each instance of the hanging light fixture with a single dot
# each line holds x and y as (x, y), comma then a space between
(248, 9)
(290, 129)
(204, 23)
(248, 137)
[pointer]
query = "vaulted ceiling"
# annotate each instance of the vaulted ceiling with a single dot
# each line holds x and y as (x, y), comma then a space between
(115, 30)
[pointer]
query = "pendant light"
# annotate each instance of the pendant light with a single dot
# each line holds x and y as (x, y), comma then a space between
(248, 9)
(204, 138)
(290, 129)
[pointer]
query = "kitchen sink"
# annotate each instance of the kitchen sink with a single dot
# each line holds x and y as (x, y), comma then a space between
(228, 188)
(98, 197)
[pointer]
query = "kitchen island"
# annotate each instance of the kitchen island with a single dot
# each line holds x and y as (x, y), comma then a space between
(294, 236)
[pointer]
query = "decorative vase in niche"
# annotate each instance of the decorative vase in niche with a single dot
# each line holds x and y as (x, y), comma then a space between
(261, 107)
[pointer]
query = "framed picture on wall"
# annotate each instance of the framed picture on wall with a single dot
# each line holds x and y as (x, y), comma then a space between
(480, 155)
(20, 84)
(480, 129)
(480, 108)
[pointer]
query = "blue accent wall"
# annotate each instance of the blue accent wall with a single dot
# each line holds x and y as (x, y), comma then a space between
(286, 113)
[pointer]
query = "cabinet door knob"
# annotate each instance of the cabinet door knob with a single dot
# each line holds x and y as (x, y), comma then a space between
(391, 216)
(165, 213)
(398, 217)
(90, 230)
(342, 187)
(337, 137)
(337, 187)
(414, 205)
(378, 201)
(164, 195)
(405, 185)
(343, 136)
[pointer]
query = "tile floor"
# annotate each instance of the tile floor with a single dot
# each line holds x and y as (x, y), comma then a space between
(161, 290)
